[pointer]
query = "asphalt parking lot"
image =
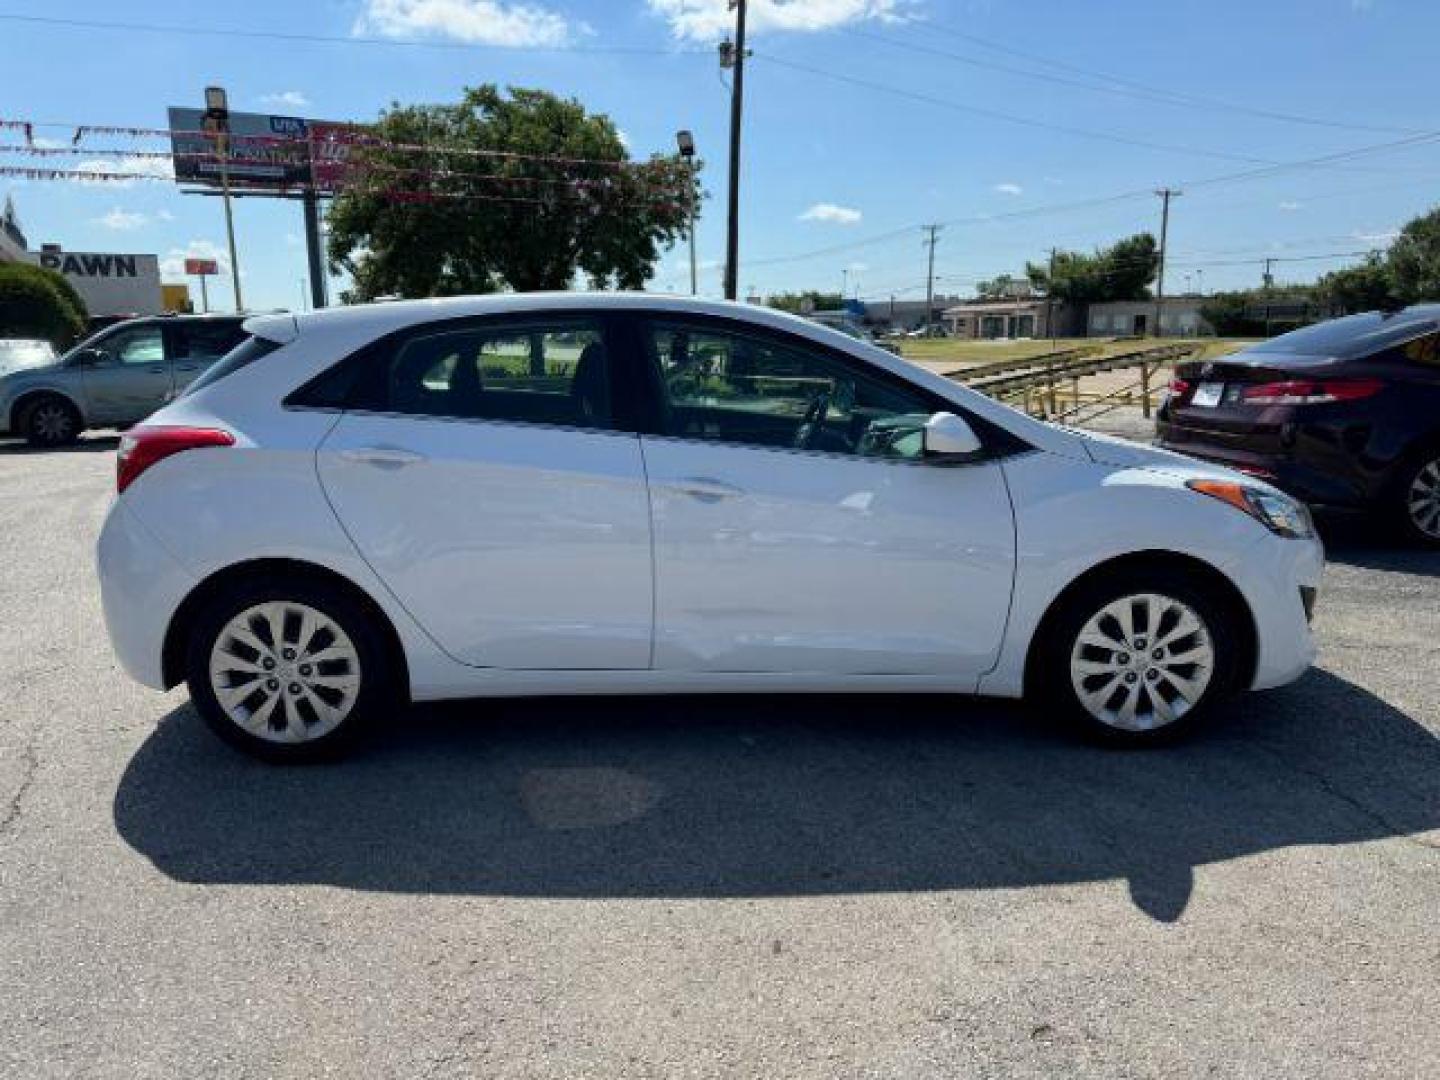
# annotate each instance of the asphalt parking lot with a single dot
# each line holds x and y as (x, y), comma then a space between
(858, 887)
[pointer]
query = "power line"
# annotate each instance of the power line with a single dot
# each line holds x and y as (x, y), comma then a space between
(1010, 118)
(1085, 204)
(1159, 94)
(332, 39)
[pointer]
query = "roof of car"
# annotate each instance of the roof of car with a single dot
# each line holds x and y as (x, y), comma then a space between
(398, 313)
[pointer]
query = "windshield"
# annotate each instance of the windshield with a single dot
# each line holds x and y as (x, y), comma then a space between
(18, 355)
(1353, 336)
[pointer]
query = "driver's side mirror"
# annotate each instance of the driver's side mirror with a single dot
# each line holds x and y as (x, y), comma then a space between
(87, 357)
(948, 437)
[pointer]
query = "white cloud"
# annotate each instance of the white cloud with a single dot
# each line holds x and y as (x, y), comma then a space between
(173, 264)
(164, 215)
(829, 212)
(1381, 236)
(624, 137)
(858, 267)
(140, 168)
(1290, 206)
(289, 99)
(484, 22)
(1009, 188)
(122, 220)
(1053, 180)
(707, 20)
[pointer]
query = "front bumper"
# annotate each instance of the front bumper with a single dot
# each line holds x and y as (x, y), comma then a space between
(141, 586)
(1280, 580)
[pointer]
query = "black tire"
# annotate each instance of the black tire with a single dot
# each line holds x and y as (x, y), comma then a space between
(1416, 523)
(50, 421)
(1050, 682)
(377, 696)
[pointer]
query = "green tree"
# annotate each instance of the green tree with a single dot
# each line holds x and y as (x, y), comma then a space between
(999, 288)
(1120, 272)
(39, 303)
(1365, 287)
(555, 196)
(1413, 261)
(797, 303)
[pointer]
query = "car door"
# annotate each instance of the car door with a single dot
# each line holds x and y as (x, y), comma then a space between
(479, 471)
(798, 526)
(196, 344)
(126, 375)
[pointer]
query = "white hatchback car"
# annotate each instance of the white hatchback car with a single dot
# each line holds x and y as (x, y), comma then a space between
(616, 494)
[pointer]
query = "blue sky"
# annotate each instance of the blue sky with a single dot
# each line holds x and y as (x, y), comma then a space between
(865, 120)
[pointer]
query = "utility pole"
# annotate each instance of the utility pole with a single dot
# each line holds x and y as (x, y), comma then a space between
(930, 279)
(1166, 194)
(217, 122)
(1269, 281)
(844, 284)
(737, 99)
(1050, 298)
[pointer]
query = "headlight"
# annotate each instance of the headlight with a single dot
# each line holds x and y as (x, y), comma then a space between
(1280, 514)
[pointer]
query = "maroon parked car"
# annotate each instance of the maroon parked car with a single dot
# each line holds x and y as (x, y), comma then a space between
(1345, 413)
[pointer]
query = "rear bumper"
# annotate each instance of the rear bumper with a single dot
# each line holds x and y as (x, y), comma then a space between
(1324, 483)
(141, 586)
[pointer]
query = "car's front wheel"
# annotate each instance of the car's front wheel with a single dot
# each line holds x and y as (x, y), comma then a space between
(1139, 660)
(287, 669)
(51, 421)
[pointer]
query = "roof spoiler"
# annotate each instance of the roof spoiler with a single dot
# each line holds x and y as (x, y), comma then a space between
(281, 328)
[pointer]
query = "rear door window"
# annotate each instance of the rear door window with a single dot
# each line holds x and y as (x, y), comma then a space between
(241, 356)
(540, 373)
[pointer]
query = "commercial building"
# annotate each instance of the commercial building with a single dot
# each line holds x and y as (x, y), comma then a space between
(12, 239)
(1006, 318)
(109, 283)
(1179, 317)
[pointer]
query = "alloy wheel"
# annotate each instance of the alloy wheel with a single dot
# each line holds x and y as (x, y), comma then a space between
(1142, 662)
(285, 672)
(52, 423)
(1423, 500)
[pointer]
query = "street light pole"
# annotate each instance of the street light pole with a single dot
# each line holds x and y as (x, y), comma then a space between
(217, 120)
(686, 142)
(737, 99)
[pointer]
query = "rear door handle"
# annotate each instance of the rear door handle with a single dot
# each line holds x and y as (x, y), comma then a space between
(157, 371)
(385, 457)
(705, 488)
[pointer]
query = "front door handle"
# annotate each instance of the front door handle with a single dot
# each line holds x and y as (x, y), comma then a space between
(385, 457)
(157, 371)
(705, 488)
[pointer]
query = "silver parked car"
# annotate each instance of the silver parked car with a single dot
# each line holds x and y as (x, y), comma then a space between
(115, 378)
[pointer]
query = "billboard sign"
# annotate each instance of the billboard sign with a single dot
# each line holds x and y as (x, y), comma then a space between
(265, 151)
(202, 266)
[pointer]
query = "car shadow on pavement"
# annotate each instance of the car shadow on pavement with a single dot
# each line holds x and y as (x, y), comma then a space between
(86, 444)
(1359, 540)
(779, 796)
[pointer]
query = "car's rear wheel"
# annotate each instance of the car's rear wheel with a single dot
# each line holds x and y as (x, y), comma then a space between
(1139, 660)
(288, 670)
(51, 421)
(1419, 500)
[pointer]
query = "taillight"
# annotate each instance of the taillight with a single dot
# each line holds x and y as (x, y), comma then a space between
(1310, 391)
(1179, 388)
(142, 447)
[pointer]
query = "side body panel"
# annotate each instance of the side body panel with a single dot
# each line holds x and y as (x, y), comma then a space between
(772, 560)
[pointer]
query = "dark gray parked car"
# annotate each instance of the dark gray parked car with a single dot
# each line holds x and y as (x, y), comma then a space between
(114, 378)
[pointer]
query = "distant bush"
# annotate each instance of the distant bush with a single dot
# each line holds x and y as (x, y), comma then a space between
(39, 303)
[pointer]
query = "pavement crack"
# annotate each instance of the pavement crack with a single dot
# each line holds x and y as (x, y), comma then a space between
(29, 766)
(1377, 817)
